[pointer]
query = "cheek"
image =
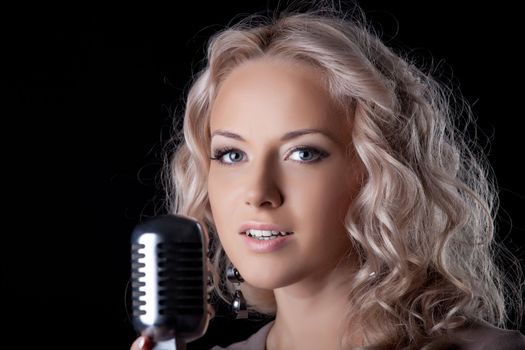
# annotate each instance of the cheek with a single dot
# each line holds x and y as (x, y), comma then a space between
(217, 190)
(220, 197)
(216, 200)
(326, 195)
(223, 184)
(326, 218)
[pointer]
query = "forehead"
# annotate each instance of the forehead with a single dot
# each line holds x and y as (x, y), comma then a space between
(286, 93)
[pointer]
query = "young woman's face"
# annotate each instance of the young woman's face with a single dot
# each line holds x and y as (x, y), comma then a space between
(302, 184)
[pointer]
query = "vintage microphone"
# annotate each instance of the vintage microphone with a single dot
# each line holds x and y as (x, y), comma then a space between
(169, 281)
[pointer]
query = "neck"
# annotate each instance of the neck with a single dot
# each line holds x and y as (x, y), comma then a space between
(311, 314)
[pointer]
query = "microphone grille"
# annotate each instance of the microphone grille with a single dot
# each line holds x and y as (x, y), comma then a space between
(180, 271)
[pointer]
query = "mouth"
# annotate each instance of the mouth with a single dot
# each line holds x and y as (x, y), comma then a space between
(266, 235)
(266, 241)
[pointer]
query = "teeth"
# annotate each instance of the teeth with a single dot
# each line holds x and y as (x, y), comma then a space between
(265, 234)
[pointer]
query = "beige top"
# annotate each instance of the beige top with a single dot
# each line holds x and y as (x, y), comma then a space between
(479, 337)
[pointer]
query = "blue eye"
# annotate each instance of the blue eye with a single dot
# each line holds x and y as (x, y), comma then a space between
(234, 155)
(220, 153)
(309, 152)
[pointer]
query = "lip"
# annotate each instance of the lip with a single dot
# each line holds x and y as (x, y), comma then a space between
(266, 246)
(261, 226)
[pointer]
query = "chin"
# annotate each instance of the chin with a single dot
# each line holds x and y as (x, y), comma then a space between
(264, 284)
(269, 279)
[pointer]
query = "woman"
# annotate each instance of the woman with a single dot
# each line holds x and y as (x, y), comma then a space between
(338, 192)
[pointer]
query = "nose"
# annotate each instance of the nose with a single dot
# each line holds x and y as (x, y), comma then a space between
(263, 189)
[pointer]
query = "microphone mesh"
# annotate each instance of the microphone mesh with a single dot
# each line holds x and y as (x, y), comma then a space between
(180, 272)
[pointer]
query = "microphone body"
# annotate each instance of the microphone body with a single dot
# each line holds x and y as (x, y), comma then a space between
(169, 280)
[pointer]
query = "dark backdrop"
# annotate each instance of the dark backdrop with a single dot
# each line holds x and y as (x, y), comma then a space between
(90, 94)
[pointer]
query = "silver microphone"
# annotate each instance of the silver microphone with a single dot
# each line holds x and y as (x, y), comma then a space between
(169, 280)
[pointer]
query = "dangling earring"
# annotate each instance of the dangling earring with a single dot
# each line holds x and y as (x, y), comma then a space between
(239, 303)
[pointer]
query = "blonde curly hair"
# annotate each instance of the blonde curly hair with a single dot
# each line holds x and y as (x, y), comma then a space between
(423, 220)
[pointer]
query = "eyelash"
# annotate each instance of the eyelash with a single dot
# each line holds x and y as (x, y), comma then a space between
(219, 153)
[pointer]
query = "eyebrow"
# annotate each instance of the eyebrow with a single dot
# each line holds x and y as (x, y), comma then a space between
(288, 136)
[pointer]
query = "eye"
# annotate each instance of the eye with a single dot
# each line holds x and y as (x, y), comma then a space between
(231, 156)
(309, 154)
(219, 154)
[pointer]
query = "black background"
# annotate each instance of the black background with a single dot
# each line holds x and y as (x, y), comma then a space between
(90, 95)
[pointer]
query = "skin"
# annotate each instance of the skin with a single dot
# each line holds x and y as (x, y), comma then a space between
(305, 191)
(269, 180)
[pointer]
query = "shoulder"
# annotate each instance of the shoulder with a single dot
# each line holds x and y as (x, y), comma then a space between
(484, 336)
(477, 336)
(256, 341)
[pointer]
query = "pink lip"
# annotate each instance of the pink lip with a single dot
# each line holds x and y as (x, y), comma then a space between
(261, 226)
(263, 246)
